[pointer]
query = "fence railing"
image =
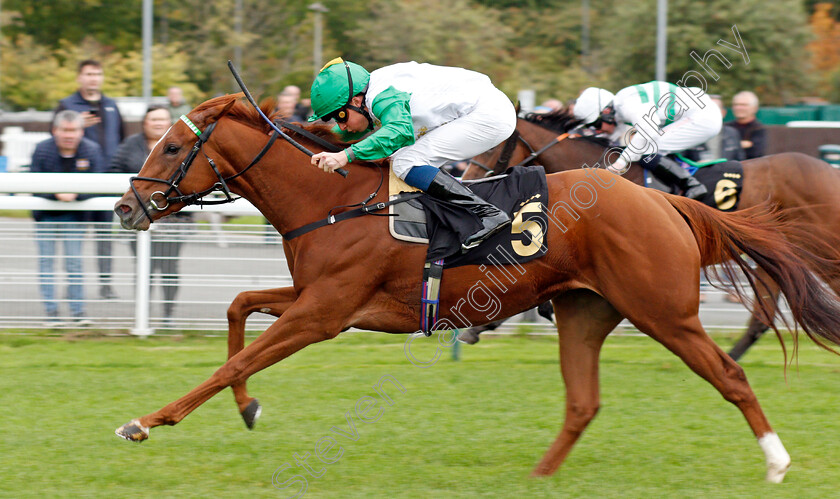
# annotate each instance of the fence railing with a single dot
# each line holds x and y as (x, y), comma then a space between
(212, 264)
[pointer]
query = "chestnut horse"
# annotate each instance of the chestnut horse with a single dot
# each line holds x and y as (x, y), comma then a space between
(806, 189)
(632, 252)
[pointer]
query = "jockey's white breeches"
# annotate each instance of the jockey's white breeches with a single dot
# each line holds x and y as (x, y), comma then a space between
(492, 120)
(695, 127)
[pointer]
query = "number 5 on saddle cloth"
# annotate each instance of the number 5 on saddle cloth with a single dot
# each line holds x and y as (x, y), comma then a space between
(521, 192)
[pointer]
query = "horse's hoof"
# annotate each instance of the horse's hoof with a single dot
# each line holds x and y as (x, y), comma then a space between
(252, 413)
(776, 471)
(133, 431)
(468, 336)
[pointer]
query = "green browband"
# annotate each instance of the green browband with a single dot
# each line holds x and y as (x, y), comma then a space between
(191, 125)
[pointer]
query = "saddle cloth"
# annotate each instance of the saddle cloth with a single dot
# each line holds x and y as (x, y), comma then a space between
(522, 192)
(723, 182)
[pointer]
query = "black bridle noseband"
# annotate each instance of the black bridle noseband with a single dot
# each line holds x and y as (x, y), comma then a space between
(178, 175)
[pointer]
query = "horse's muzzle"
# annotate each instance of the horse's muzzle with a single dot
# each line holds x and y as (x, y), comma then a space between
(131, 215)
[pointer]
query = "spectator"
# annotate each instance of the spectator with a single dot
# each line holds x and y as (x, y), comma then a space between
(726, 144)
(176, 103)
(302, 108)
(103, 125)
(166, 245)
(286, 108)
(752, 132)
(548, 106)
(66, 151)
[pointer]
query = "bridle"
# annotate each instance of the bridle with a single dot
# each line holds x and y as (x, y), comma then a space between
(222, 184)
(166, 198)
(507, 153)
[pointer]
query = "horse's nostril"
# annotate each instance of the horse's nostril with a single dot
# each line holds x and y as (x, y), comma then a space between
(124, 208)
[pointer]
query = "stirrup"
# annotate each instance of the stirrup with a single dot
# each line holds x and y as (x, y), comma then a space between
(468, 246)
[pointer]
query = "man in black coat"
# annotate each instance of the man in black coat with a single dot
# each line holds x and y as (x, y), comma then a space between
(66, 151)
(104, 125)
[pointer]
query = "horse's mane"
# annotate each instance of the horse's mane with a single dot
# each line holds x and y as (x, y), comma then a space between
(562, 121)
(559, 120)
(244, 113)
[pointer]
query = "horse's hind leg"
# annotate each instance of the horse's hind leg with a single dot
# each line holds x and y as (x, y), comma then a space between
(686, 338)
(268, 301)
(768, 293)
(584, 319)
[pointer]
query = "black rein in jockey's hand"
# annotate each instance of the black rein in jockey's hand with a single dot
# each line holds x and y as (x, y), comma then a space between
(290, 140)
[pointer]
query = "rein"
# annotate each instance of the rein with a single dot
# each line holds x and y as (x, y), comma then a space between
(221, 186)
(510, 146)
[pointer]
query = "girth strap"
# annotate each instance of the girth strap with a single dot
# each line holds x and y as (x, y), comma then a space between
(430, 298)
(358, 212)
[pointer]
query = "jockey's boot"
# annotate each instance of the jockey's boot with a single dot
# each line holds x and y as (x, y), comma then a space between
(446, 188)
(671, 172)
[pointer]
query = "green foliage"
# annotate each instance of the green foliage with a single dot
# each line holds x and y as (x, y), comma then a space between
(31, 76)
(518, 43)
(34, 77)
(775, 35)
(452, 33)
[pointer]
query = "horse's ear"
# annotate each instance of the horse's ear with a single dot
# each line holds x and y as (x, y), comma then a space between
(214, 113)
(226, 108)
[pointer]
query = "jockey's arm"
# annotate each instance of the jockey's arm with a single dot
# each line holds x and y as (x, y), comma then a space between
(391, 107)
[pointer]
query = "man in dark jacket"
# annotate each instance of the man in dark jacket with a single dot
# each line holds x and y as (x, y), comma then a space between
(726, 144)
(104, 125)
(67, 151)
(753, 134)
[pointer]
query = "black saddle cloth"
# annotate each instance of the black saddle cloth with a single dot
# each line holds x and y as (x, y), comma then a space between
(724, 182)
(448, 225)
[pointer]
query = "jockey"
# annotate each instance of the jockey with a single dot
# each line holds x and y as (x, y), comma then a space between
(423, 117)
(666, 119)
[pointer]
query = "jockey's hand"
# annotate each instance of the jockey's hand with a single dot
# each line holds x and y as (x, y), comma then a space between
(329, 161)
(619, 167)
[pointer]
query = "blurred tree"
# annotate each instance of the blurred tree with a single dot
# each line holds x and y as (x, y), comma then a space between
(775, 35)
(31, 76)
(114, 23)
(825, 48)
(449, 33)
(276, 43)
(41, 77)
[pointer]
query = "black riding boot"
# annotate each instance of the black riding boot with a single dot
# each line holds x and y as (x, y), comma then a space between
(671, 172)
(446, 188)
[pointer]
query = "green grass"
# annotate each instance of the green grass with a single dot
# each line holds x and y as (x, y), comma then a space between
(473, 428)
(15, 214)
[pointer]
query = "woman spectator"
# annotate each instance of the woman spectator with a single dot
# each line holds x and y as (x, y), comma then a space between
(166, 243)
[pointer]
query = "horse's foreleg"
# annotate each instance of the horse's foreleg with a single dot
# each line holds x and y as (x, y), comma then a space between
(584, 320)
(687, 339)
(268, 301)
(294, 330)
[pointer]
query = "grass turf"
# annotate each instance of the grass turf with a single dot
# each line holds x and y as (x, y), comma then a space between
(473, 428)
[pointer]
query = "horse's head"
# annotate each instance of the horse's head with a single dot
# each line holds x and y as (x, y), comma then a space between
(178, 170)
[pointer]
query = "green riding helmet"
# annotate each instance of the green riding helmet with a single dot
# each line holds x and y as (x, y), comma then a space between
(330, 90)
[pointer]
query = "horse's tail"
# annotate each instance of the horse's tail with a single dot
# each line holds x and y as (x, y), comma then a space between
(782, 250)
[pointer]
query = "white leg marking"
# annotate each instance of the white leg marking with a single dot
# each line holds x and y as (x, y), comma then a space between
(778, 460)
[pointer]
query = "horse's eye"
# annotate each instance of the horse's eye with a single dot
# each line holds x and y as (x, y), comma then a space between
(170, 149)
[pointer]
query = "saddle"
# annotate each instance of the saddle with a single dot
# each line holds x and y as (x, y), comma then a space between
(724, 181)
(521, 192)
